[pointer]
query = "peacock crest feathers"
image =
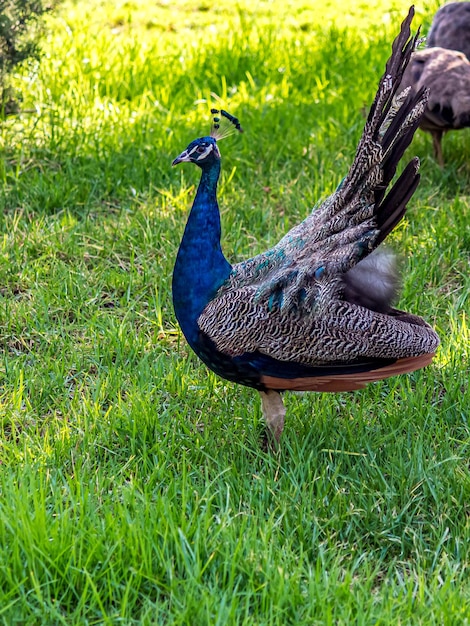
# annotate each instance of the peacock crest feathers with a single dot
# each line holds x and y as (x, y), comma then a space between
(224, 124)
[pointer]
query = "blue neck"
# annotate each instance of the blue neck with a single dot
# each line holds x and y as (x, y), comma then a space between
(200, 267)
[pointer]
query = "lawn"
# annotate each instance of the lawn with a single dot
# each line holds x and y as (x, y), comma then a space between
(133, 489)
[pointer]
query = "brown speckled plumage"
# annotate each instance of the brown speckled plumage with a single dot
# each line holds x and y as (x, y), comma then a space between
(450, 28)
(315, 311)
(446, 73)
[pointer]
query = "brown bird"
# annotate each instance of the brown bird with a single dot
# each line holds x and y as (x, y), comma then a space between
(446, 73)
(314, 313)
(450, 28)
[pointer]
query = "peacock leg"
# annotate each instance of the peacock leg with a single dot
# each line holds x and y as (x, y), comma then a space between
(437, 145)
(274, 412)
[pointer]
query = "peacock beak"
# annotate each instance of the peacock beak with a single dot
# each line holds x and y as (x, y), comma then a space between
(182, 158)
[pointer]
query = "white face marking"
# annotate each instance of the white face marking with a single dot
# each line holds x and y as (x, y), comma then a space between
(205, 153)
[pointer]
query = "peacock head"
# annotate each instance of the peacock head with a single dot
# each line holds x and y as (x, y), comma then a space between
(204, 151)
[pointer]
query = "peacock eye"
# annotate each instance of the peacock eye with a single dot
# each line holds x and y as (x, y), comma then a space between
(200, 149)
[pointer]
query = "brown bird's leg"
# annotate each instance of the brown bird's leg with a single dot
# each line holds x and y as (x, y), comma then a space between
(274, 412)
(437, 145)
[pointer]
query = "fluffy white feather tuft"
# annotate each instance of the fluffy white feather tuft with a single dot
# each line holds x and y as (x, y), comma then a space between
(374, 282)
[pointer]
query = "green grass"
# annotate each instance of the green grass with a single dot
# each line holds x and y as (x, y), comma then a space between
(132, 486)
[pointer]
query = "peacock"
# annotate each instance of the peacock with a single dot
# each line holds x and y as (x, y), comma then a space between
(313, 313)
(446, 73)
(444, 68)
(450, 28)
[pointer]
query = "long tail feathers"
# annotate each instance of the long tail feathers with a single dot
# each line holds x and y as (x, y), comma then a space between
(391, 124)
(307, 264)
(393, 207)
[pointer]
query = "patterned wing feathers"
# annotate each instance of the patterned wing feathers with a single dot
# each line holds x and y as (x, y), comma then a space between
(238, 324)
